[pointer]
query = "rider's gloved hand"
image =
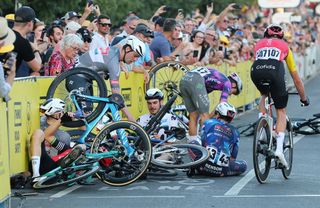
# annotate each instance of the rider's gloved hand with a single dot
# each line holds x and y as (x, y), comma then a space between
(305, 102)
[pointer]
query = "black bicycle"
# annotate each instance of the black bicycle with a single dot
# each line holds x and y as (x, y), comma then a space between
(306, 126)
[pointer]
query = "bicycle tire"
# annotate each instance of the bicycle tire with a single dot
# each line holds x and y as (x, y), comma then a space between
(158, 171)
(288, 150)
(260, 147)
(164, 74)
(120, 171)
(181, 155)
(59, 176)
(58, 89)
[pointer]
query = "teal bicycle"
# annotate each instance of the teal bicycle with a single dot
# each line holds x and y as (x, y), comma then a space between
(116, 159)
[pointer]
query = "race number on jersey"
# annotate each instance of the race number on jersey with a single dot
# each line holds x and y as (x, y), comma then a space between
(203, 71)
(219, 158)
(268, 53)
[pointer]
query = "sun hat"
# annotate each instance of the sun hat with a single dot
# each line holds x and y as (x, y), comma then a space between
(6, 35)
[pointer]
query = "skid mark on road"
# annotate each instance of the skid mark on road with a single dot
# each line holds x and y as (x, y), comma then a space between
(236, 188)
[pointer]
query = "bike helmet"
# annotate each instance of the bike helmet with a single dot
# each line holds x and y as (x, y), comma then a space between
(274, 30)
(136, 45)
(153, 93)
(226, 110)
(233, 77)
(52, 106)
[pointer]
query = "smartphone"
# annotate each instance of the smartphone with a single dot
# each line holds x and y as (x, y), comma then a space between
(220, 48)
(90, 2)
(195, 54)
(236, 6)
(167, 8)
(180, 10)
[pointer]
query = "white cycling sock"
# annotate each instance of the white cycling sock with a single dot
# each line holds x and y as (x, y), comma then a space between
(280, 139)
(35, 161)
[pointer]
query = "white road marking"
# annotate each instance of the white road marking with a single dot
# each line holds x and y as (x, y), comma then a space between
(236, 188)
(65, 192)
(268, 196)
(122, 197)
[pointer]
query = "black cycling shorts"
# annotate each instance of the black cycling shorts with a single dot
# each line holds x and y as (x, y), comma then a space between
(272, 71)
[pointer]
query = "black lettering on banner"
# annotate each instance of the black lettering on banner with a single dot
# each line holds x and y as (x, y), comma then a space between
(17, 148)
(126, 93)
(17, 113)
(140, 99)
(28, 117)
(16, 135)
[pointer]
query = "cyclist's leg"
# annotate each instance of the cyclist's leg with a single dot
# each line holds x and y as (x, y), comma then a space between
(236, 167)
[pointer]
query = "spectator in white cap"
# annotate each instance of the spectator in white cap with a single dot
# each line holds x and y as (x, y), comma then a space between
(71, 28)
(7, 37)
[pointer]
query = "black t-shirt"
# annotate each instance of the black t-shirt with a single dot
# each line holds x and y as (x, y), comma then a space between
(23, 49)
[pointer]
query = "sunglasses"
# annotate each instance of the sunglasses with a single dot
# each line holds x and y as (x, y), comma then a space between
(105, 24)
(88, 40)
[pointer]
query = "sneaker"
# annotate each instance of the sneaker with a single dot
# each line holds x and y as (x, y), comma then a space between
(281, 158)
(71, 157)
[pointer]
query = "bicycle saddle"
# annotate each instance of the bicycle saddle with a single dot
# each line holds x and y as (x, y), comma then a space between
(117, 99)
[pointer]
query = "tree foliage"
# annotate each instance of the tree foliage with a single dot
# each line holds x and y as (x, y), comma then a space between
(49, 10)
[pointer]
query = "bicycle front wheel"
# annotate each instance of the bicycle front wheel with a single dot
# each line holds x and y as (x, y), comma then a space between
(63, 176)
(179, 155)
(119, 170)
(167, 74)
(261, 159)
(85, 80)
(288, 149)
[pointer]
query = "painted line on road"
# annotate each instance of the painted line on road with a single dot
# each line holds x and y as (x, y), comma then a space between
(65, 192)
(268, 196)
(122, 197)
(236, 188)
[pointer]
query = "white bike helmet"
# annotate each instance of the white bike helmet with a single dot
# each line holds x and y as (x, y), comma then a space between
(227, 110)
(235, 78)
(52, 106)
(136, 45)
(153, 93)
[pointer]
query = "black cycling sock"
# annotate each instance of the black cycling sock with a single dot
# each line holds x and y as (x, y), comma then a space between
(60, 146)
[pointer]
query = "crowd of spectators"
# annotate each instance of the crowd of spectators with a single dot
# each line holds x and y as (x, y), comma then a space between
(198, 39)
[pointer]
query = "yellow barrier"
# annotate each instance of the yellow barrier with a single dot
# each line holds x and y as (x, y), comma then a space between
(23, 118)
(4, 155)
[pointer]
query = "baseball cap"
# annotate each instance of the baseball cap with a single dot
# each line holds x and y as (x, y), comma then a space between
(24, 14)
(85, 34)
(72, 26)
(143, 29)
(6, 35)
(71, 14)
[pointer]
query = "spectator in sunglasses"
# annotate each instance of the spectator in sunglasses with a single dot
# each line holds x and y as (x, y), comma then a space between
(100, 38)
(129, 26)
(85, 35)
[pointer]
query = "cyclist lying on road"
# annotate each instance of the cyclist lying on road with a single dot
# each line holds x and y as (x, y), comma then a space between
(222, 140)
(50, 146)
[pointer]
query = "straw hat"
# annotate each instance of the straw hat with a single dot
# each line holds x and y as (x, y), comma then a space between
(6, 35)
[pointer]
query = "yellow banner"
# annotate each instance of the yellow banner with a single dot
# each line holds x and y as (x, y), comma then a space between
(4, 154)
(23, 119)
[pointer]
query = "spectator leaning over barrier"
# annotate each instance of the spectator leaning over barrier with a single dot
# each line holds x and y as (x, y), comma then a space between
(100, 38)
(64, 59)
(7, 38)
(195, 86)
(24, 21)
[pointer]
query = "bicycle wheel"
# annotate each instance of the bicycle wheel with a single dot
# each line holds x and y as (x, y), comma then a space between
(85, 80)
(261, 141)
(158, 171)
(167, 74)
(308, 128)
(59, 176)
(121, 170)
(179, 155)
(288, 150)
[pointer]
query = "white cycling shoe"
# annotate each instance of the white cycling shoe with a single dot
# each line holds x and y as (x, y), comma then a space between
(281, 158)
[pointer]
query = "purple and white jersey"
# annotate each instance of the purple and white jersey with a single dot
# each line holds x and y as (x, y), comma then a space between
(215, 80)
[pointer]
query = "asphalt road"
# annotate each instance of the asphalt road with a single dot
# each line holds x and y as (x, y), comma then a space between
(301, 190)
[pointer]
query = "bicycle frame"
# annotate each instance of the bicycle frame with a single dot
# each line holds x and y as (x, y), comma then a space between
(110, 106)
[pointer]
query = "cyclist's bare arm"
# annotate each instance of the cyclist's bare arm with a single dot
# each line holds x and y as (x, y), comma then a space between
(295, 76)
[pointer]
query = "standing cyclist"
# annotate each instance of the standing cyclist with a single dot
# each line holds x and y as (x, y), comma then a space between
(222, 141)
(195, 86)
(109, 61)
(268, 66)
